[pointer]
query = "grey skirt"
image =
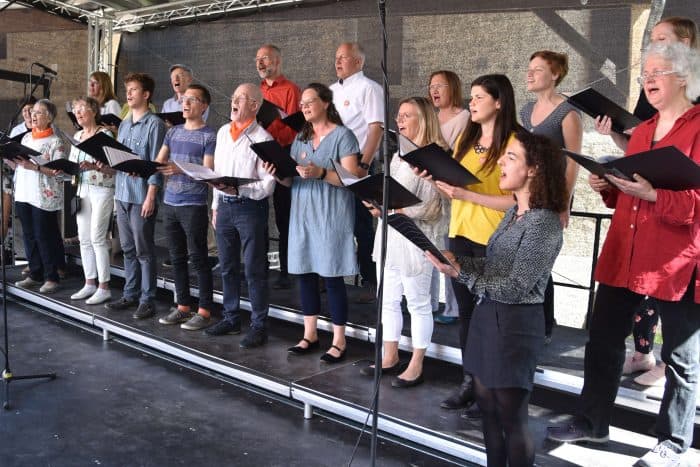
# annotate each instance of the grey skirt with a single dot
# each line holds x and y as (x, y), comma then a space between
(504, 343)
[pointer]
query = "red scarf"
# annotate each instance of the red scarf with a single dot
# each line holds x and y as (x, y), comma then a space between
(236, 131)
(38, 134)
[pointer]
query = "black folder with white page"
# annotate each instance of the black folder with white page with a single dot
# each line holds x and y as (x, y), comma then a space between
(595, 104)
(94, 145)
(665, 168)
(205, 174)
(127, 161)
(371, 188)
(406, 227)
(441, 165)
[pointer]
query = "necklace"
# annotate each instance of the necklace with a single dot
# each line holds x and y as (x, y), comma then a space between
(479, 149)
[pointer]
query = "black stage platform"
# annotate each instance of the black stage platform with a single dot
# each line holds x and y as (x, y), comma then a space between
(411, 415)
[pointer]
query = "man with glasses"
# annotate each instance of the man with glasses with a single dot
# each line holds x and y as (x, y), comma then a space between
(360, 103)
(239, 216)
(185, 211)
(277, 89)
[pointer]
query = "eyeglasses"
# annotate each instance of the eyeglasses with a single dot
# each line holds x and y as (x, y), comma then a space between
(237, 99)
(263, 58)
(191, 100)
(79, 108)
(308, 103)
(437, 87)
(653, 75)
(403, 116)
(38, 112)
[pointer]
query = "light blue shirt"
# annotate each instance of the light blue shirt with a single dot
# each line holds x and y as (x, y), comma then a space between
(144, 137)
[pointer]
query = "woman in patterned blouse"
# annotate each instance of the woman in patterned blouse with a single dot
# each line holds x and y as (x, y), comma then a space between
(507, 330)
(38, 201)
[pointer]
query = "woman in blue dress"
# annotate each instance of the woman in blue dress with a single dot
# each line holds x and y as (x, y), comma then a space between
(322, 217)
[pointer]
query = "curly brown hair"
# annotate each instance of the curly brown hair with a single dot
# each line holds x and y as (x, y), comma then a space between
(548, 186)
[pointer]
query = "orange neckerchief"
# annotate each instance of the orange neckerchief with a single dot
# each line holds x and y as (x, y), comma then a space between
(237, 131)
(38, 134)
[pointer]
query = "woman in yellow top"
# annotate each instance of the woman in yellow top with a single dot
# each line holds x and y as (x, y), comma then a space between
(478, 209)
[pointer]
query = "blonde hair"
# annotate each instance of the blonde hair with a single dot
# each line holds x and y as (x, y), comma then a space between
(428, 123)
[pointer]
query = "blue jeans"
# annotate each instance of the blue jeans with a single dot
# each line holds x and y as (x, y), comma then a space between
(138, 245)
(241, 224)
(311, 297)
(611, 323)
(43, 244)
(186, 230)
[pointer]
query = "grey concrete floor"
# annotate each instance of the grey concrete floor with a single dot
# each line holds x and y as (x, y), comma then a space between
(112, 405)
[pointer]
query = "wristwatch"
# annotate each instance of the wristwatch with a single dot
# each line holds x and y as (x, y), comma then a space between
(363, 165)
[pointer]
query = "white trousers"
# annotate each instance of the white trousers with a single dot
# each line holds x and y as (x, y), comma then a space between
(93, 219)
(417, 292)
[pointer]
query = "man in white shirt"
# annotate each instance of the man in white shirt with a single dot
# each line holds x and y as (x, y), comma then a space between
(239, 216)
(360, 103)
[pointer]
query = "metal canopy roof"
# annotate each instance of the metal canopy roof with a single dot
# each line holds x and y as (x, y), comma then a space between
(131, 15)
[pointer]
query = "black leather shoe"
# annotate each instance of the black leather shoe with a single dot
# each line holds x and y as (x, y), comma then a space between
(391, 370)
(224, 327)
(406, 383)
(254, 338)
(122, 303)
(310, 347)
(145, 310)
(473, 412)
(462, 398)
(575, 432)
(329, 358)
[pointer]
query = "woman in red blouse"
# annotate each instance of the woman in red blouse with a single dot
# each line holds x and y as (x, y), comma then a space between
(652, 248)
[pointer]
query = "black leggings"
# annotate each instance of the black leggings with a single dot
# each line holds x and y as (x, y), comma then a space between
(507, 438)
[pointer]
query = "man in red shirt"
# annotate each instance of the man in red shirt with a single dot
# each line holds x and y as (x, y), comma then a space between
(286, 95)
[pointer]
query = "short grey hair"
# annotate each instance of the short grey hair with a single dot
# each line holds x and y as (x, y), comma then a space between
(253, 92)
(684, 60)
(50, 108)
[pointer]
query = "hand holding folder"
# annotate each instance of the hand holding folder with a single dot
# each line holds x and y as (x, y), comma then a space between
(11, 150)
(594, 104)
(271, 152)
(205, 174)
(173, 118)
(440, 164)
(127, 161)
(406, 227)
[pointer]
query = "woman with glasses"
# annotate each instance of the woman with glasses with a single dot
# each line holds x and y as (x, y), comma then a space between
(651, 249)
(477, 210)
(38, 201)
(552, 116)
(407, 271)
(321, 243)
(96, 194)
(445, 91)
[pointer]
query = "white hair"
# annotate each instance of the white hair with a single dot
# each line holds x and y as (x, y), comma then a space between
(685, 61)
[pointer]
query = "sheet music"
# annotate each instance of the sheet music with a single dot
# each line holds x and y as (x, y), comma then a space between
(196, 171)
(117, 156)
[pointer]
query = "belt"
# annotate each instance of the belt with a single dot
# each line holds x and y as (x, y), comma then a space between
(231, 199)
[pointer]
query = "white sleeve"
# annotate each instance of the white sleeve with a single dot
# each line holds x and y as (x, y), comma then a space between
(373, 108)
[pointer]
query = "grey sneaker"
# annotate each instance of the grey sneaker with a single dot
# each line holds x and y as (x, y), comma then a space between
(664, 454)
(49, 287)
(196, 323)
(28, 283)
(145, 310)
(176, 316)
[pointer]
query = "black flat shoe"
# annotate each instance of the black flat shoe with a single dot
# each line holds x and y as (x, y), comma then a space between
(405, 383)
(390, 370)
(328, 358)
(310, 347)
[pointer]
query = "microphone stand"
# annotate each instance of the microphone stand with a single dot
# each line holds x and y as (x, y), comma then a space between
(385, 211)
(7, 375)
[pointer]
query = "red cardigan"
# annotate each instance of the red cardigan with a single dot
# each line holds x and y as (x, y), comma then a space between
(653, 248)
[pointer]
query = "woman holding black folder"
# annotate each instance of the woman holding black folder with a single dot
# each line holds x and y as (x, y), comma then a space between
(652, 248)
(96, 194)
(477, 210)
(407, 272)
(38, 201)
(506, 334)
(322, 216)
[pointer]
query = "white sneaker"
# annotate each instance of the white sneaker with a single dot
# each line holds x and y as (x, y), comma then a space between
(654, 377)
(633, 365)
(664, 454)
(100, 296)
(85, 292)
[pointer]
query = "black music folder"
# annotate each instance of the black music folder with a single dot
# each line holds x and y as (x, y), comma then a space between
(18, 137)
(65, 165)
(665, 168)
(127, 161)
(371, 189)
(593, 103)
(268, 113)
(295, 121)
(94, 145)
(10, 149)
(406, 227)
(440, 164)
(205, 174)
(74, 120)
(272, 152)
(174, 118)
(110, 120)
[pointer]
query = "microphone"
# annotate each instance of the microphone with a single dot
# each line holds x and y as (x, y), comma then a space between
(47, 70)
